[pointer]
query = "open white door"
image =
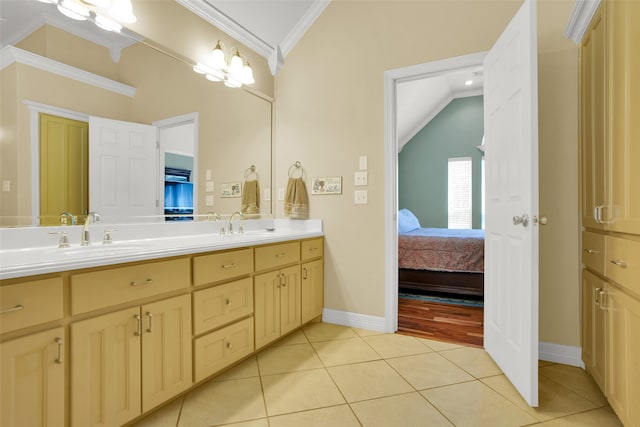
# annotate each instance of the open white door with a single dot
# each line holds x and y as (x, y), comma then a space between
(511, 244)
(122, 168)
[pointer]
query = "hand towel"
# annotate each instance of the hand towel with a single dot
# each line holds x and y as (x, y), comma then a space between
(296, 201)
(250, 204)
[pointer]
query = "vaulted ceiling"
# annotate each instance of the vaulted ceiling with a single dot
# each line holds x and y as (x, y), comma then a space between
(271, 28)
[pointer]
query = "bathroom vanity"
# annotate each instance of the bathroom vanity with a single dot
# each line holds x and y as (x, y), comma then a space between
(104, 335)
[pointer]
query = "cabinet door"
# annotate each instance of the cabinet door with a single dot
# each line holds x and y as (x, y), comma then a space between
(312, 290)
(624, 355)
(594, 328)
(105, 373)
(266, 307)
(594, 154)
(290, 299)
(166, 350)
(623, 18)
(32, 380)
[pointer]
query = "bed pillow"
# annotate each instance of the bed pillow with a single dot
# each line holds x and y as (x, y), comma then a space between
(407, 221)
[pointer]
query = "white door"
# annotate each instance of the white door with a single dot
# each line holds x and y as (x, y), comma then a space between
(511, 245)
(122, 168)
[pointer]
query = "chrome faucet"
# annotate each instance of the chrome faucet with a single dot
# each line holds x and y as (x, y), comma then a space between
(233, 215)
(63, 218)
(85, 239)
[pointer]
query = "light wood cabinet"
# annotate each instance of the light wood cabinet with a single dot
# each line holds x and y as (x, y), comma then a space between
(610, 184)
(623, 390)
(312, 290)
(222, 304)
(32, 388)
(128, 362)
(594, 328)
(30, 303)
(277, 304)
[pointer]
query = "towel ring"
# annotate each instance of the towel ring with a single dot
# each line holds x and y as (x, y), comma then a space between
(251, 170)
(297, 166)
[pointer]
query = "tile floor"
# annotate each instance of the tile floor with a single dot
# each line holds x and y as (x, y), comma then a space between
(329, 375)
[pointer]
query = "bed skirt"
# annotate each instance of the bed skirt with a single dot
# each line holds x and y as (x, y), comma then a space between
(454, 282)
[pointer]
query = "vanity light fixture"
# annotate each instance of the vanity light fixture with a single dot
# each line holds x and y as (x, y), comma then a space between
(92, 10)
(233, 69)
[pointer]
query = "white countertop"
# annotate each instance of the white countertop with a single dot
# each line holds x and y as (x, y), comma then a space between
(29, 251)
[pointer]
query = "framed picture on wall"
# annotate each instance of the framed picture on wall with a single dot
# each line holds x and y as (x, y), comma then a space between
(326, 185)
(231, 189)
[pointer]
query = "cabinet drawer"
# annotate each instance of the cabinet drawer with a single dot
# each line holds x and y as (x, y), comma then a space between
(222, 266)
(30, 303)
(219, 349)
(104, 288)
(593, 251)
(222, 304)
(623, 262)
(277, 255)
(312, 248)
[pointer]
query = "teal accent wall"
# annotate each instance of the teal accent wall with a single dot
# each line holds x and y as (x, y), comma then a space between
(423, 161)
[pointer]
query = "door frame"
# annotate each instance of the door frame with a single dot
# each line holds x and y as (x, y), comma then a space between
(36, 108)
(391, 79)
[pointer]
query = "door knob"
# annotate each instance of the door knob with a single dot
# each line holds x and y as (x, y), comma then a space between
(542, 220)
(524, 220)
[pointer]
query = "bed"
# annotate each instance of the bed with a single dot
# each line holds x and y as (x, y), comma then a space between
(440, 260)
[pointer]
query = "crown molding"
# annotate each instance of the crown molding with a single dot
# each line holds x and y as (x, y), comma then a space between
(11, 54)
(580, 18)
(303, 25)
(209, 13)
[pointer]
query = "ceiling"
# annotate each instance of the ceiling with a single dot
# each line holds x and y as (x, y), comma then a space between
(271, 28)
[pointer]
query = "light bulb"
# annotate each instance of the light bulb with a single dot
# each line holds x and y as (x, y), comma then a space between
(73, 10)
(236, 65)
(247, 75)
(107, 24)
(199, 68)
(217, 57)
(122, 10)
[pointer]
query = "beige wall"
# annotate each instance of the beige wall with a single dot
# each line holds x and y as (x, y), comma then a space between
(329, 111)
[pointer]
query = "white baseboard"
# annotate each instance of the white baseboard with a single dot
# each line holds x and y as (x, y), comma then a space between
(558, 353)
(354, 320)
(550, 352)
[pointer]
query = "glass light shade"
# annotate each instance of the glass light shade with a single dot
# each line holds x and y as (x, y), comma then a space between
(98, 3)
(108, 24)
(199, 68)
(217, 58)
(48, 1)
(231, 82)
(214, 77)
(73, 10)
(122, 10)
(247, 75)
(236, 65)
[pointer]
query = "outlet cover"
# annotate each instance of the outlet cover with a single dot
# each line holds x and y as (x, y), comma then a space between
(360, 178)
(209, 201)
(209, 187)
(360, 197)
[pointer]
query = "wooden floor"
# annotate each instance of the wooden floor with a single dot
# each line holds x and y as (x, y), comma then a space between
(444, 322)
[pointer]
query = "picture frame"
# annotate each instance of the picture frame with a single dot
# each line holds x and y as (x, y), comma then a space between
(326, 185)
(231, 189)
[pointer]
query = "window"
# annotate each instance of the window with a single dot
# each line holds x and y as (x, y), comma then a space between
(459, 192)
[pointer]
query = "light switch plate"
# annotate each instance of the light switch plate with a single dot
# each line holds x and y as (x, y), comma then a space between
(209, 187)
(208, 174)
(209, 201)
(360, 178)
(280, 194)
(363, 163)
(6, 186)
(267, 194)
(360, 197)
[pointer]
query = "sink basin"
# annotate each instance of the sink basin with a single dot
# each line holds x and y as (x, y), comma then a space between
(100, 249)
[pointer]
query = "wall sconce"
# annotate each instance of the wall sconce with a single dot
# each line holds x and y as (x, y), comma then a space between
(233, 69)
(119, 10)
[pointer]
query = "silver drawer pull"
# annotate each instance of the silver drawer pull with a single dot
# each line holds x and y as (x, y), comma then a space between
(146, 282)
(591, 251)
(280, 255)
(138, 331)
(228, 302)
(313, 249)
(12, 309)
(58, 359)
(150, 317)
(233, 264)
(619, 263)
(229, 345)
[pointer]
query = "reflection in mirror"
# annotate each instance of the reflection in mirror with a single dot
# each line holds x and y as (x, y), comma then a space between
(231, 130)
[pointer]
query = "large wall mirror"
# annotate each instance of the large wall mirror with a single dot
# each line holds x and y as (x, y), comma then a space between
(211, 136)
